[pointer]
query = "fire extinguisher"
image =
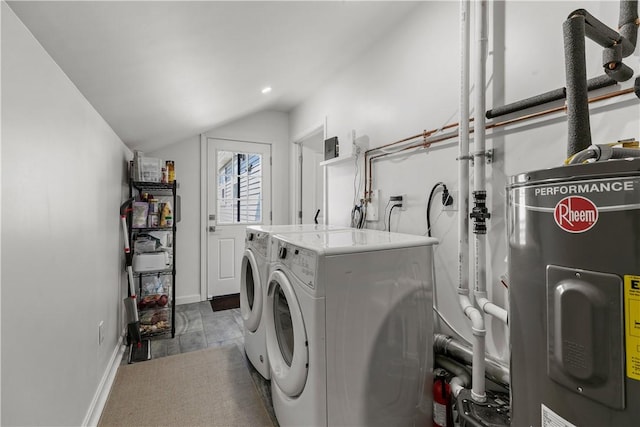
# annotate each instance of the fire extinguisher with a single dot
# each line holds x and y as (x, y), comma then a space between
(442, 401)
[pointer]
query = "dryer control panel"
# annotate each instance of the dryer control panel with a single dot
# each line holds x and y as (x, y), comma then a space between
(301, 262)
(258, 241)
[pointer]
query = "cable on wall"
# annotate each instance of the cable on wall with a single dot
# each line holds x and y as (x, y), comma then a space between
(359, 211)
(447, 200)
(385, 215)
(390, 211)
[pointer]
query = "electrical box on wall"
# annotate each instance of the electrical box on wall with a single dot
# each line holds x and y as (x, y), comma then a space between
(374, 206)
(331, 148)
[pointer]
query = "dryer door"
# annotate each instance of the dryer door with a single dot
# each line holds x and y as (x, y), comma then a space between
(250, 292)
(286, 336)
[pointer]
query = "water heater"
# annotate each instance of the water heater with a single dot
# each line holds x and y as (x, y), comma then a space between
(574, 271)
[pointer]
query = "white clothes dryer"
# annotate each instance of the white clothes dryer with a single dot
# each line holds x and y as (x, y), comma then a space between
(254, 272)
(349, 325)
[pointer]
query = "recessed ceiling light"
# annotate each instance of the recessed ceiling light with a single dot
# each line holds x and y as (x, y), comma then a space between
(266, 89)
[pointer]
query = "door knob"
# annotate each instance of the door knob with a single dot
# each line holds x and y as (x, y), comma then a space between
(212, 229)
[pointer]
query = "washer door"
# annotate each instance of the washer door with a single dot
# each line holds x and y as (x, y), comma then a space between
(250, 292)
(286, 336)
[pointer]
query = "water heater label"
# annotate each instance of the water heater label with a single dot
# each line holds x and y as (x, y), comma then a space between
(577, 206)
(575, 214)
(551, 419)
(632, 325)
(601, 186)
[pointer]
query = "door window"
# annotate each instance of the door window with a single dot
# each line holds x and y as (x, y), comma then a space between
(283, 325)
(240, 192)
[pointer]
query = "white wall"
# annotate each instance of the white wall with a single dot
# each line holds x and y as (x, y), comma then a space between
(410, 82)
(186, 156)
(267, 126)
(62, 184)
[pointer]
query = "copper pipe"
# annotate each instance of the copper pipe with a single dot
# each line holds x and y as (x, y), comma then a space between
(489, 126)
(424, 144)
(425, 134)
(419, 135)
(396, 142)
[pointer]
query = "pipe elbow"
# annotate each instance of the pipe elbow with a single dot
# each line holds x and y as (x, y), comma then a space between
(577, 13)
(473, 314)
(461, 380)
(620, 72)
(477, 322)
(494, 310)
(457, 385)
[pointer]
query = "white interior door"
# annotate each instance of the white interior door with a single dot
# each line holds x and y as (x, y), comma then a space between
(312, 185)
(312, 179)
(238, 194)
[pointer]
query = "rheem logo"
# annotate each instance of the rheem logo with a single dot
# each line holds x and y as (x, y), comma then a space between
(575, 214)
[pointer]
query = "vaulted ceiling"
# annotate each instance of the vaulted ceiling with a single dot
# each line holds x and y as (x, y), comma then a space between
(162, 71)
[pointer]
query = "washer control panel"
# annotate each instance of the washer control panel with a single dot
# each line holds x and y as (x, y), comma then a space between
(302, 262)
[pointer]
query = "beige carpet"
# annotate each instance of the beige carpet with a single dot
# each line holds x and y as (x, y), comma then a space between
(202, 388)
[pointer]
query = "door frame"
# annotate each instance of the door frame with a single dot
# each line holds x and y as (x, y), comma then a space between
(296, 196)
(204, 207)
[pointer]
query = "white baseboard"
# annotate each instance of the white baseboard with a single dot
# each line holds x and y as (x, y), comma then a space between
(102, 393)
(188, 299)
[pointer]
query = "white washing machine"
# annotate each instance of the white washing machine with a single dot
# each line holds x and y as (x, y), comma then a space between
(349, 325)
(255, 272)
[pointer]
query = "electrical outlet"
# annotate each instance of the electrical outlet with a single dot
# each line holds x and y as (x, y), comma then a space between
(453, 207)
(399, 200)
(404, 202)
(101, 332)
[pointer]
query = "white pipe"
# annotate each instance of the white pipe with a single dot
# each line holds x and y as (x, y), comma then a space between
(479, 181)
(493, 310)
(475, 316)
(477, 320)
(459, 352)
(478, 383)
(463, 153)
(479, 178)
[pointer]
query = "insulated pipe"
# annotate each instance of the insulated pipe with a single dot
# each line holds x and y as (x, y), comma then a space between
(553, 95)
(543, 98)
(607, 37)
(580, 24)
(603, 152)
(579, 131)
(461, 379)
(600, 33)
(628, 24)
(447, 346)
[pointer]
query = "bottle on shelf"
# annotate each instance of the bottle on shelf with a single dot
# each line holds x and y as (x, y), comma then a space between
(171, 172)
(166, 217)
